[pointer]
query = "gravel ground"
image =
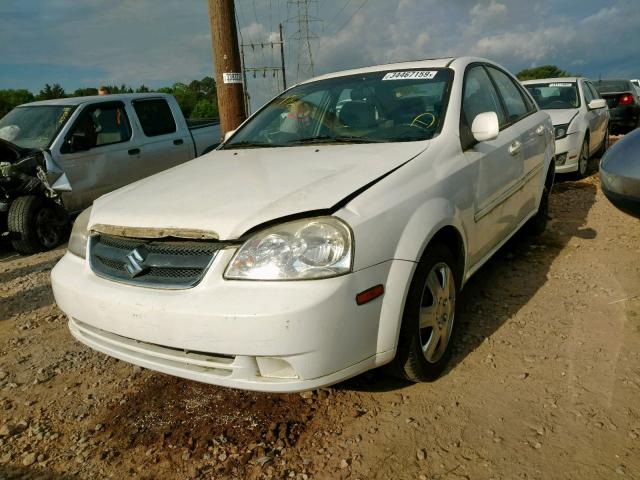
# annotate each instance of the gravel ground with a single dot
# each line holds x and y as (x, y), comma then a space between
(544, 383)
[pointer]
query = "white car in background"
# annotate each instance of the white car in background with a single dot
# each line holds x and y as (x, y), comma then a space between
(580, 120)
(314, 245)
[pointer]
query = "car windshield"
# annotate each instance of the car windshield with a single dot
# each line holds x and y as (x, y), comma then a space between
(398, 106)
(607, 86)
(555, 95)
(34, 127)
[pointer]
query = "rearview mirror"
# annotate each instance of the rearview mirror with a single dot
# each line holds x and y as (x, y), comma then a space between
(77, 143)
(597, 103)
(485, 126)
(228, 134)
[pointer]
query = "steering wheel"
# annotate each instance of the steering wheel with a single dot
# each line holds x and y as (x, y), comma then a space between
(423, 121)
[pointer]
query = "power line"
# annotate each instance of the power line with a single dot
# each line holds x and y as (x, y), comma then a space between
(350, 18)
(304, 35)
(340, 11)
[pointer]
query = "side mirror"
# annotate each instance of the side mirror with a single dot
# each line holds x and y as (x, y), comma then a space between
(485, 126)
(78, 142)
(597, 103)
(228, 135)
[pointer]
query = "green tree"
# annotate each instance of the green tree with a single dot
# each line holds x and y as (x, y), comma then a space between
(51, 91)
(85, 92)
(205, 109)
(9, 99)
(543, 71)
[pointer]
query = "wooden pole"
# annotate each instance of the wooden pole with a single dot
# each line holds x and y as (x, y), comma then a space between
(226, 57)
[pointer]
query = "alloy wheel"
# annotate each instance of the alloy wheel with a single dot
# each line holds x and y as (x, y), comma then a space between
(437, 311)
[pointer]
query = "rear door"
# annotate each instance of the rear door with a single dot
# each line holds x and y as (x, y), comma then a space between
(96, 153)
(498, 162)
(163, 144)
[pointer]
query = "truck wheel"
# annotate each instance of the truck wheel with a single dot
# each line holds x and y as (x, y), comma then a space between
(35, 224)
(424, 345)
(538, 223)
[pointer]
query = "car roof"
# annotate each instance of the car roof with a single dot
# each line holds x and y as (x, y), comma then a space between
(444, 62)
(74, 101)
(554, 79)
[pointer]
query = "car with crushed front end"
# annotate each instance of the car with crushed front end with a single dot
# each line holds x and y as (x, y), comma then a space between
(580, 120)
(316, 243)
(57, 156)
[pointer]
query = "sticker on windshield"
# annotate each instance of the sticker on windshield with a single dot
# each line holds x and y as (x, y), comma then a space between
(561, 85)
(410, 75)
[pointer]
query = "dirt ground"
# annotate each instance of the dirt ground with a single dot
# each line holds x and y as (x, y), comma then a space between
(544, 384)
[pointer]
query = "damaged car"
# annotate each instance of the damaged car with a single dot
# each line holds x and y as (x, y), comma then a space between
(57, 156)
(330, 234)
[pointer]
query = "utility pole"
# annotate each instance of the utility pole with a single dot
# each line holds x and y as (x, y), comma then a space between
(304, 35)
(284, 75)
(226, 57)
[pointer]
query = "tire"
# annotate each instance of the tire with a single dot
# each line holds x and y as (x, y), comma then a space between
(425, 349)
(538, 223)
(605, 143)
(583, 160)
(35, 225)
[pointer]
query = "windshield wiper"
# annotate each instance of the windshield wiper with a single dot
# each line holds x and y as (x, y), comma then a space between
(248, 144)
(329, 139)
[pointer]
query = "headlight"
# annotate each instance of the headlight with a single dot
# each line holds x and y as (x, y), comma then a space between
(561, 131)
(80, 234)
(312, 248)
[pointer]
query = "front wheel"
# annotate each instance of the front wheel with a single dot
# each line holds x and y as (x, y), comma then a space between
(583, 160)
(35, 224)
(424, 345)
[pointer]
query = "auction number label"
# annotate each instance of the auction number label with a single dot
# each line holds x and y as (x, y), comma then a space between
(410, 75)
(232, 77)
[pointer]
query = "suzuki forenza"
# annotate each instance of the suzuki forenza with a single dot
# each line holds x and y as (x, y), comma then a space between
(330, 234)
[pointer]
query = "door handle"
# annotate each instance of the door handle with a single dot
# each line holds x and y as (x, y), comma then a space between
(134, 151)
(514, 148)
(540, 130)
(178, 141)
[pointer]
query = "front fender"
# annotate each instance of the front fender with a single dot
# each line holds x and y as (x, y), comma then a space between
(425, 222)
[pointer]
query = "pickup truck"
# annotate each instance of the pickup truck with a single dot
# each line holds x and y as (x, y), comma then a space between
(58, 156)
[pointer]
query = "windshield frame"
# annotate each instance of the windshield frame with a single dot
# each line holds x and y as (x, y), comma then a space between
(72, 109)
(575, 83)
(446, 97)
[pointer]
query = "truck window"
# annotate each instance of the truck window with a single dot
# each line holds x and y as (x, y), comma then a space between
(155, 117)
(99, 125)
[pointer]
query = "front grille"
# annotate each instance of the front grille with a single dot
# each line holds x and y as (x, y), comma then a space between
(163, 263)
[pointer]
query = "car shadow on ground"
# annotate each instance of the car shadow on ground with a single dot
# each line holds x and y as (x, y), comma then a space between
(508, 280)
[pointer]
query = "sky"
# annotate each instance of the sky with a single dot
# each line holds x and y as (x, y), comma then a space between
(84, 43)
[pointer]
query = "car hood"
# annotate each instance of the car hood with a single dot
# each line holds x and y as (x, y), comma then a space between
(562, 116)
(227, 192)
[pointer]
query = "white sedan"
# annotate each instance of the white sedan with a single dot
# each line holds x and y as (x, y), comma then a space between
(316, 244)
(580, 119)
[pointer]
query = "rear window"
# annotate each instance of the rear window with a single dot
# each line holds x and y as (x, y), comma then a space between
(155, 117)
(606, 86)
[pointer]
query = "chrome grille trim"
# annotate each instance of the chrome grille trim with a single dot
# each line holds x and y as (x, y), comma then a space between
(157, 263)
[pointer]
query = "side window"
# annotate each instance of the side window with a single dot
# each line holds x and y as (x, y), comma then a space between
(588, 94)
(479, 96)
(99, 125)
(513, 98)
(155, 117)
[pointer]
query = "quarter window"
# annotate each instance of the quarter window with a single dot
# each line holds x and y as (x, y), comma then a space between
(588, 94)
(155, 117)
(514, 102)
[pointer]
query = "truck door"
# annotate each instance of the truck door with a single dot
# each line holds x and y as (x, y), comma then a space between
(96, 153)
(164, 145)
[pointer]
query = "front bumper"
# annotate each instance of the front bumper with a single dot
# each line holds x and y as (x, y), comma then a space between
(268, 336)
(569, 149)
